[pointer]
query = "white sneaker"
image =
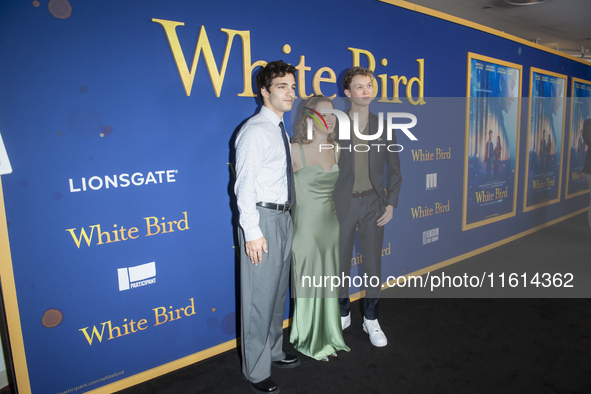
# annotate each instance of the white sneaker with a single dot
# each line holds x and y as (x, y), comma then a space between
(376, 335)
(346, 321)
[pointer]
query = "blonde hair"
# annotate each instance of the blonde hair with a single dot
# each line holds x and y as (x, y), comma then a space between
(302, 124)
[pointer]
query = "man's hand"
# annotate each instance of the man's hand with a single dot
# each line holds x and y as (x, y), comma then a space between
(387, 216)
(255, 249)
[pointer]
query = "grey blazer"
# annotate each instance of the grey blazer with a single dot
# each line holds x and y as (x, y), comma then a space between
(377, 160)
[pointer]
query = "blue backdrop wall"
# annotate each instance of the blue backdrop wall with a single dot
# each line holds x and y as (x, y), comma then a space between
(119, 207)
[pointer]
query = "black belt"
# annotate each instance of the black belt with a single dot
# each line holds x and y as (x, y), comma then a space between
(277, 207)
(363, 193)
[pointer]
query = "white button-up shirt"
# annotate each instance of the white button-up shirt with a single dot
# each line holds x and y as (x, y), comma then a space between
(260, 169)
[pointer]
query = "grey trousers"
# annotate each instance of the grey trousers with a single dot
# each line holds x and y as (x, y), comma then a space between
(263, 290)
(362, 218)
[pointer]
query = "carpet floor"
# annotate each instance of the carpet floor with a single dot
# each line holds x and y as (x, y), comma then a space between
(447, 345)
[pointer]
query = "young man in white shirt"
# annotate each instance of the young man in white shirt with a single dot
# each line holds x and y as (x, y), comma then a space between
(263, 191)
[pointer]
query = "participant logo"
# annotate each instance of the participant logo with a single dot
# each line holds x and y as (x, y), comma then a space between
(430, 236)
(138, 276)
(431, 181)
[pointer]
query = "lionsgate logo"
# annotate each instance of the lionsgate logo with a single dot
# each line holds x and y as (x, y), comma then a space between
(138, 276)
(430, 236)
(431, 181)
(122, 180)
(345, 129)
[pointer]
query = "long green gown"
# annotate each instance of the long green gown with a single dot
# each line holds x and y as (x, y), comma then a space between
(316, 326)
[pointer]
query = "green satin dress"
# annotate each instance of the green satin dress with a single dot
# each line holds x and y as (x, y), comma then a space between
(316, 326)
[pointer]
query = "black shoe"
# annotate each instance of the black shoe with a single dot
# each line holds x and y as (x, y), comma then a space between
(290, 361)
(265, 386)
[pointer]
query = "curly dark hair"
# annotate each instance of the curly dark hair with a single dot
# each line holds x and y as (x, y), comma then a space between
(353, 72)
(302, 126)
(272, 70)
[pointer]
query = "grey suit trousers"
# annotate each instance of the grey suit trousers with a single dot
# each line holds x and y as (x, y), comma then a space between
(263, 290)
(362, 218)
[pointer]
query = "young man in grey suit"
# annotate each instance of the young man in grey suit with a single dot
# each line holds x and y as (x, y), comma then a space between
(263, 191)
(362, 205)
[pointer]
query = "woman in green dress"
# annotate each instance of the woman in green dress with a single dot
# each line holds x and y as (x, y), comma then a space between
(316, 327)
